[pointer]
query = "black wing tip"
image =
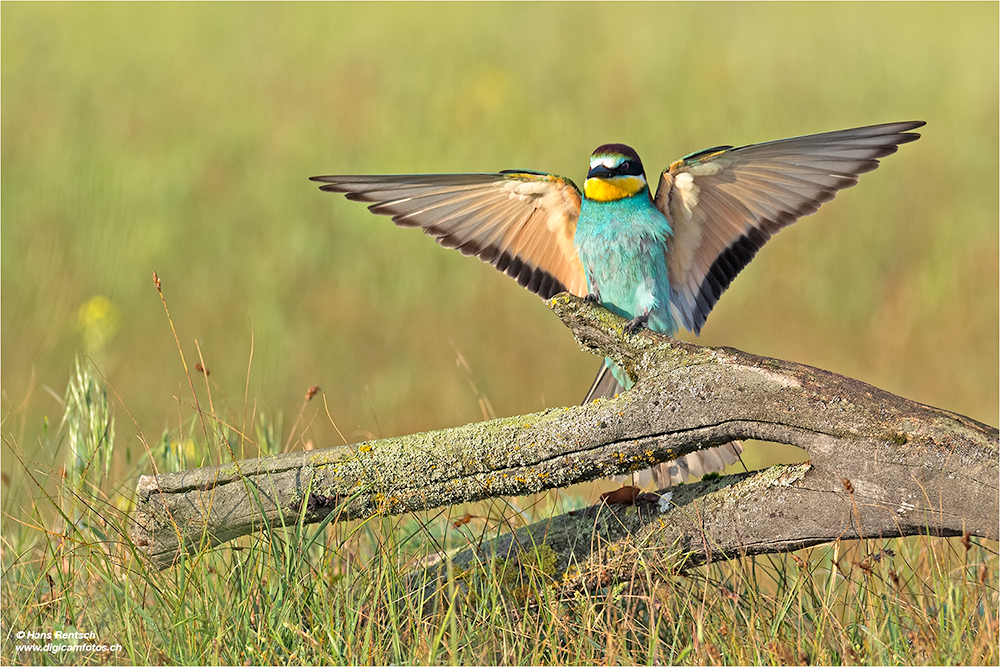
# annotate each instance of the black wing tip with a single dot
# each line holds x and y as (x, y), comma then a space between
(904, 133)
(898, 127)
(907, 137)
(899, 132)
(897, 135)
(332, 182)
(352, 186)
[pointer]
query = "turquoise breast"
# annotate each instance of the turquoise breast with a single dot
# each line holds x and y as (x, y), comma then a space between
(622, 246)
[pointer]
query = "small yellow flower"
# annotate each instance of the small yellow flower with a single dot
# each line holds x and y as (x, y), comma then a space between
(97, 319)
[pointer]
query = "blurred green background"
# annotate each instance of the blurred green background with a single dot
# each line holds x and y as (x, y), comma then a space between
(178, 138)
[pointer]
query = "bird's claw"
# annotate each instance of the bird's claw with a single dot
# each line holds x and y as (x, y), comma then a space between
(636, 323)
(592, 297)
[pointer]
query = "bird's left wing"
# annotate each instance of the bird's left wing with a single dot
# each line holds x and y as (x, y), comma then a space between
(724, 203)
(521, 222)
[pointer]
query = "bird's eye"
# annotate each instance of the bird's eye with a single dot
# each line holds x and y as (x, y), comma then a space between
(624, 166)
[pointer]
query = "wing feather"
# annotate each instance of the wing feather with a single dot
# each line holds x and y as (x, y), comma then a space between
(521, 222)
(725, 203)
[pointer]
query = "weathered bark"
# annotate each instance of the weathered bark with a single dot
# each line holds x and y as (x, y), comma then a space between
(909, 468)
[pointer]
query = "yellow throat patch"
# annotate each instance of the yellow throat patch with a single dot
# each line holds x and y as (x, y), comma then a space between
(612, 189)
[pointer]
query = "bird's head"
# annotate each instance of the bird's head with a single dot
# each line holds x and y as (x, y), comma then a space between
(615, 173)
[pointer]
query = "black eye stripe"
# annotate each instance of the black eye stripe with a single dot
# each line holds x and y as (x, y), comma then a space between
(629, 168)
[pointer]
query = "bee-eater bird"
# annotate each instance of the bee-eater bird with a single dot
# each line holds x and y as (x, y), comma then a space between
(658, 260)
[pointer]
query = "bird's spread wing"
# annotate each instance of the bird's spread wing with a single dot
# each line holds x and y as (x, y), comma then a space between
(521, 222)
(724, 203)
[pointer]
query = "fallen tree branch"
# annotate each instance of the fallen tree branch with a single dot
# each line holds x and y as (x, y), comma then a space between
(881, 465)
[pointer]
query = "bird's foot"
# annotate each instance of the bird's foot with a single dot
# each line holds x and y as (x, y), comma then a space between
(592, 297)
(636, 323)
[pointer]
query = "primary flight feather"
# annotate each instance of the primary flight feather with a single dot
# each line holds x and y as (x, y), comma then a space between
(662, 261)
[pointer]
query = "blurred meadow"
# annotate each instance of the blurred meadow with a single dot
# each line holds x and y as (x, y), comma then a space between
(178, 138)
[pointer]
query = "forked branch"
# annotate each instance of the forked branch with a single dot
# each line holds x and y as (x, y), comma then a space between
(881, 465)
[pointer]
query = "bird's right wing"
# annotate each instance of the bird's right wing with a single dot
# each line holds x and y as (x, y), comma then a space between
(521, 222)
(724, 203)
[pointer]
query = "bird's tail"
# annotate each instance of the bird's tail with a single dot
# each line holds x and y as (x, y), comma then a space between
(669, 473)
(605, 385)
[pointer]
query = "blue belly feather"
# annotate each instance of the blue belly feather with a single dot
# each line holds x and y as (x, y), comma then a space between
(622, 246)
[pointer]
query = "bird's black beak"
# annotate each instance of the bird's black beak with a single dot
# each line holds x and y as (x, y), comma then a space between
(600, 171)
